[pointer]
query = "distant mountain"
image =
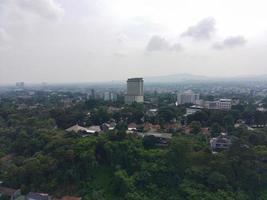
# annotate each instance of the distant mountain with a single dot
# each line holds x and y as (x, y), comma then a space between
(176, 78)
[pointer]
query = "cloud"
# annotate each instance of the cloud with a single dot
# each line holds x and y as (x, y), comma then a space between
(203, 30)
(4, 39)
(48, 9)
(120, 54)
(157, 43)
(121, 38)
(176, 47)
(230, 42)
(141, 27)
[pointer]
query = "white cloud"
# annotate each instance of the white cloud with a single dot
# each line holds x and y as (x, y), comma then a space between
(176, 47)
(120, 54)
(204, 29)
(4, 37)
(158, 43)
(230, 42)
(48, 9)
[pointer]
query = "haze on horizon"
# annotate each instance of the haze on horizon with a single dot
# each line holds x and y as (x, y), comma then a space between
(103, 40)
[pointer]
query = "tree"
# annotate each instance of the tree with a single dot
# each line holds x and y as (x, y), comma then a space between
(217, 181)
(195, 127)
(150, 141)
(228, 121)
(122, 183)
(215, 129)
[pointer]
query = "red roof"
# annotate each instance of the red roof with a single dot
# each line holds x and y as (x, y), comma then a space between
(71, 198)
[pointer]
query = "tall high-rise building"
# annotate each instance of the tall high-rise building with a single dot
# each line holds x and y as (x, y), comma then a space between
(187, 97)
(135, 91)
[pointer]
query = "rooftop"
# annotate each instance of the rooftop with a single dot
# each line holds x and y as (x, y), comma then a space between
(135, 79)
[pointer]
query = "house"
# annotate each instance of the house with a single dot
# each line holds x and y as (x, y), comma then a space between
(112, 109)
(132, 127)
(84, 130)
(171, 127)
(107, 126)
(37, 196)
(152, 112)
(193, 109)
(219, 143)
(9, 192)
(76, 128)
(71, 198)
(93, 129)
(151, 127)
(205, 131)
(163, 139)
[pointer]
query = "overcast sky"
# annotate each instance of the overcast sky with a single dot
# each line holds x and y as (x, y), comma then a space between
(102, 40)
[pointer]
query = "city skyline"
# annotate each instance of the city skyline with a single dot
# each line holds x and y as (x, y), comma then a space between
(92, 41)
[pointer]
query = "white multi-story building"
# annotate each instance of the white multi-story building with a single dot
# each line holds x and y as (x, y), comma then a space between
(187, 97)
(135, 91)
(221, 104)
(225, 104)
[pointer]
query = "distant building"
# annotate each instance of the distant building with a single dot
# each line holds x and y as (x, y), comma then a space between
(20, 84)
(235, 101)
(162, 139)
(37, 196)
(76, 128)
(221, 104)
(108, 126)
(110, 96)
(135, 91)
(70, 198)
(219, 143)
(93, 129)
(225, 104)
(187, 97)
(92, 95)
(132, 127)
(193, 109)
(84, 130)
(152, 112)
(10, 193)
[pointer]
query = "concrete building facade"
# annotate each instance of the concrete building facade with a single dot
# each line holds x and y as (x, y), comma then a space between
(187, 97)
(135, 91)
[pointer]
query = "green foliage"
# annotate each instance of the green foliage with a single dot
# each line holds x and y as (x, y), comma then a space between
(122, 183)
(195, 127)
(37, 156)
(215, 129)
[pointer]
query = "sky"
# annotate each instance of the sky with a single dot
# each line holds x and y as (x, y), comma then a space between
(104, 40)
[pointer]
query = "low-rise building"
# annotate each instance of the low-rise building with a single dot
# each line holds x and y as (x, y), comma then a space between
(162, 139)
(193, 109)
(108, 126)
(37, 196)
(220, 143)
(76, 128)
(9, 193)
(84, 130)
(132, 127)
(221, 104)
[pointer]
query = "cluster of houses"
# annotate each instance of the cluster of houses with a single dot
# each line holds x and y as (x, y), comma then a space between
(15, 194)
(217, 144)
(95, 129)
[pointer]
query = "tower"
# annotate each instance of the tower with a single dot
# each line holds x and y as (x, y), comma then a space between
(135, 91)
